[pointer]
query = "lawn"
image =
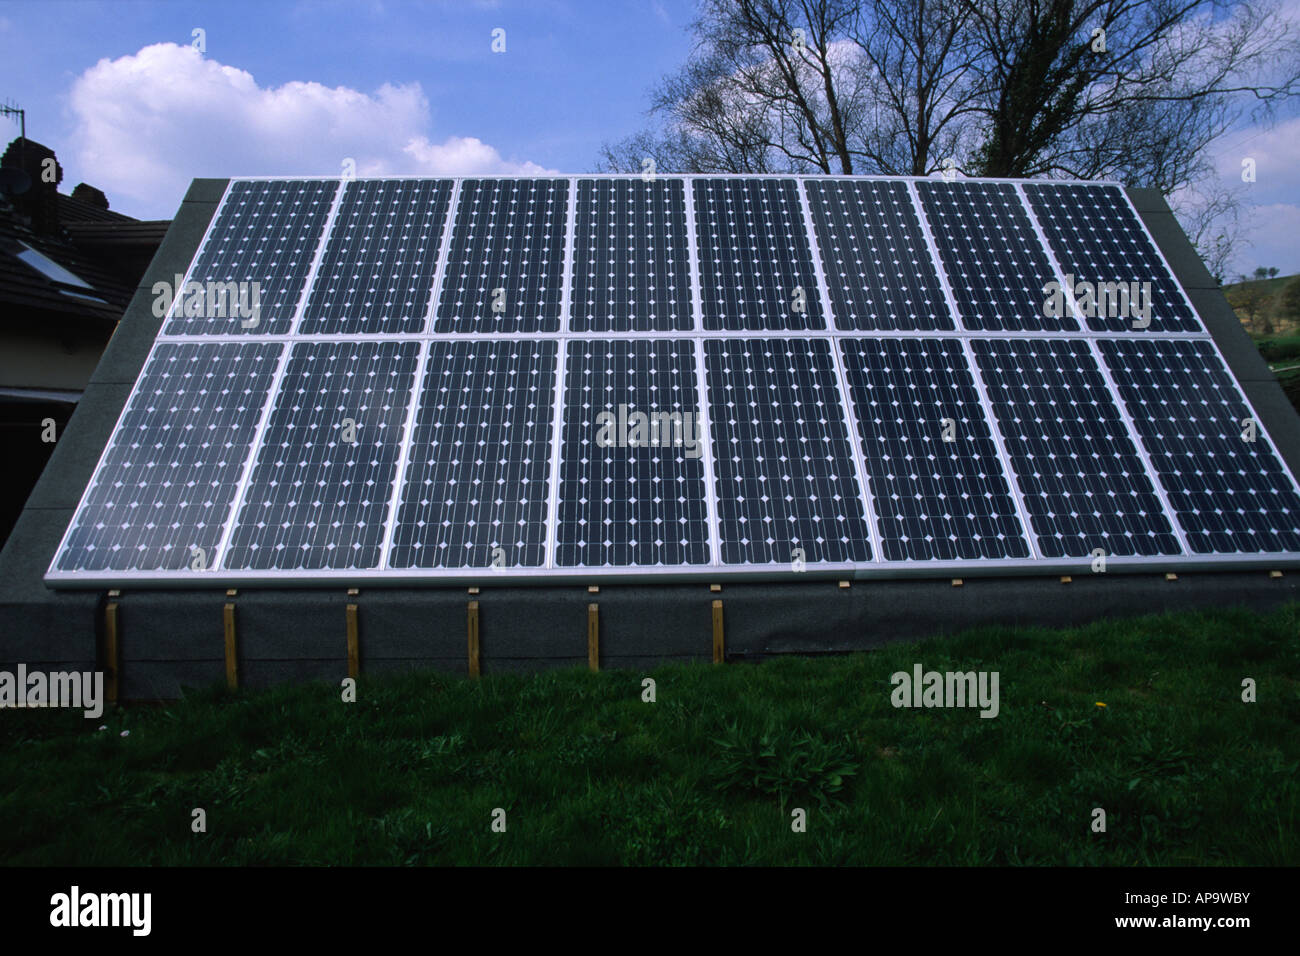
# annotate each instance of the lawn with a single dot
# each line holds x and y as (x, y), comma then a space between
(589, 773)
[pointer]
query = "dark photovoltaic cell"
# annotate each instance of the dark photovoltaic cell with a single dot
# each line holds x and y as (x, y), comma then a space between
(631, 263)
(935, 499)
(1229, 494)
(632, 486)
(1098, 240)
(377, 271)
(168, 479)
(1083, 483)
(781, 454)
(316, 500)
(476, 486)
(875, 261)
(267, 232)
(505, 267)
(756, 266)
(997, 268)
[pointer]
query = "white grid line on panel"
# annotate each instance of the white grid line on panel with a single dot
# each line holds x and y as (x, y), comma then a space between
(272, 393)
(771, 572)
(1125, 419)
(823, 293)
(965, 336)
(691, 176)
(706, 436)
(1156, 484)
(701, 377)
(933, 248)
(1068, 293)
(1159, 252)
(865, 496)
(557, 452)
(198, 254)
(444, 247)
(342, 337)
(995, 431)
(310, 280)
(848, 414)
(404, 456)
(693, 255)
(570, 238)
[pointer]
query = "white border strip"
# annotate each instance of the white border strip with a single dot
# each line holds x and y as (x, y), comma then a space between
(630, 574)
(557, 451)
(1127, 421)
(309, 281)
(404, 456)
(688, 176)
(705, 423)
(848, 414)
(999, 440)
(940, 270)
(440, 271)
(701, 375)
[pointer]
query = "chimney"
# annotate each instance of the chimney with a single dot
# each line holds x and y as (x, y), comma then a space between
(90, 196)
(40, 203)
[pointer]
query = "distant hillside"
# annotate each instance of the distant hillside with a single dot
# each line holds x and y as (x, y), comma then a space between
(1267, 307)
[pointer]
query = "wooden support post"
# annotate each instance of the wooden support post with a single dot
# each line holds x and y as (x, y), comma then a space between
(593, 636)
(111, 649)
(844, 585)
(715, 588)
(1275, 574)
(1171, 576)
(1066, 579)
(354, 643)
(232, 650)
(473, 639)
(957, 582)
(719, 651)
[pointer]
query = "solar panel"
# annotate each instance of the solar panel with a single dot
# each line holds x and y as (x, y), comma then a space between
(875, 262)
(505, 268)
(631, 469)
(935, 473)
(163, 490)
(787, 489)
(569, 378)
(377, 271)
(756, 265)
(320, 485)
(1122, 282)
(1224, 481)
(631, 267)
(1084, 483)
(267, 233)
(996, 267)
(475, 489)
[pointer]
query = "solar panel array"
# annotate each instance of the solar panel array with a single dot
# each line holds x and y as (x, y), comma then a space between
(568, 378)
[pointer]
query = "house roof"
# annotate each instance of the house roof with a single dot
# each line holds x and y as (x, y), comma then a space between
(67, 256)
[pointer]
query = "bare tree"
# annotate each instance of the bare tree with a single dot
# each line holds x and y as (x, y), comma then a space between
(1134, 90)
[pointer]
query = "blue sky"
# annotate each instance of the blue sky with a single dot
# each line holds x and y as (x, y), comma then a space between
(405, 87)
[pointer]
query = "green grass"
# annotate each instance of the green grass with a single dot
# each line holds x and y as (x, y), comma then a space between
(709, 774)
(1279, 349)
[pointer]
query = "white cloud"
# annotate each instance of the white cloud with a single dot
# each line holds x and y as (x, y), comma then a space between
(150, 122)
(1270, 215)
